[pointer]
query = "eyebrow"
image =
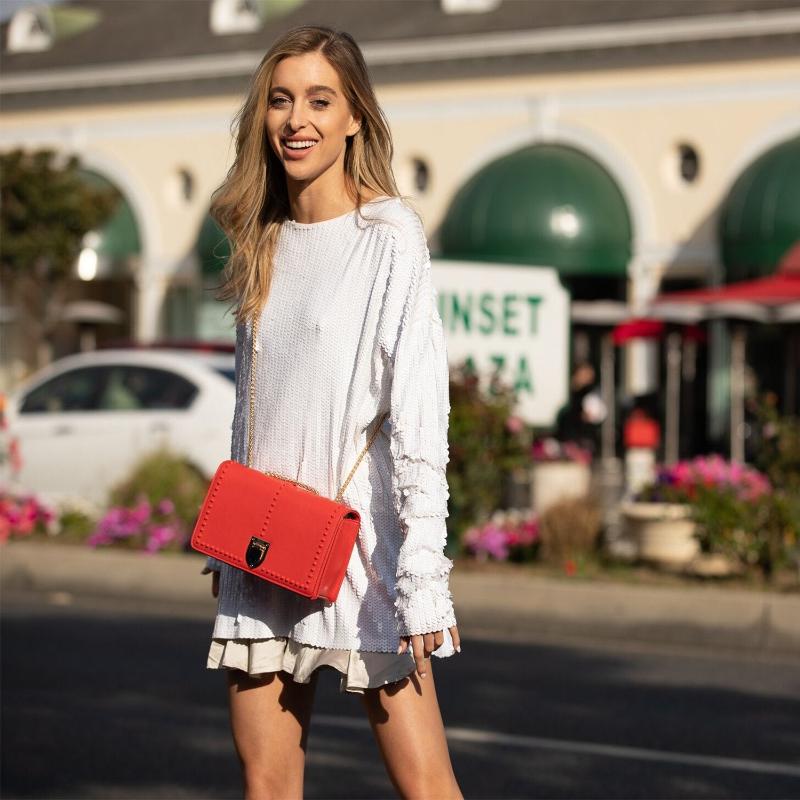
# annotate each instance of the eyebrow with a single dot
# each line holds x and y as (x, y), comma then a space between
(311, 89)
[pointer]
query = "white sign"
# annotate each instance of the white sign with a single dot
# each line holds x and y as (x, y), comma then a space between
(510, 322)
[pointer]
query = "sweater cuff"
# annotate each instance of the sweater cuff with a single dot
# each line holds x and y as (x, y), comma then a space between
(423, 603)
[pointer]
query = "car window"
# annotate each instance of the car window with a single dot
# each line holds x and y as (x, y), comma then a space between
(74, 390)
(230, 374)
(134, 388)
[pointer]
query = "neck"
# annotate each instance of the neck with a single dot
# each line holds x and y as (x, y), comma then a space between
(324, 197)
(320, 198)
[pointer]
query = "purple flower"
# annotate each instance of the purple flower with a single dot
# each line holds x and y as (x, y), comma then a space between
(165, 507)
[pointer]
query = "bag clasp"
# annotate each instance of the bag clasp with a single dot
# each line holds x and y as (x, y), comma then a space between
(256, 552)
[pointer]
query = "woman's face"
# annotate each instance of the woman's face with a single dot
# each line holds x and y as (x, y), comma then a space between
(308, 117)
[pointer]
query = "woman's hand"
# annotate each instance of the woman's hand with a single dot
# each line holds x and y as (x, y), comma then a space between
(215, 583)
(423, 644)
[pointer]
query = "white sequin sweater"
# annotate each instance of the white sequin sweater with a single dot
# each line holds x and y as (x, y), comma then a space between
(351, 329)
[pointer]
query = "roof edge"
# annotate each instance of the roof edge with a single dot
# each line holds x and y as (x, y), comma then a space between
(433, 49)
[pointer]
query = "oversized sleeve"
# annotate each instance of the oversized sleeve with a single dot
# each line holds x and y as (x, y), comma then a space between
(214, 564)
(411, 337)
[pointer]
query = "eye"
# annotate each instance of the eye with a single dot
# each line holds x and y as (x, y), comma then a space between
(277, 101)
(321, 103)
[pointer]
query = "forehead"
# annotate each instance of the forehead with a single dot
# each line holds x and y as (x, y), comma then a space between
(299, 73)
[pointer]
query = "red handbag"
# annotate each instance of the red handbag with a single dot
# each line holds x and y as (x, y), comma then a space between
(276, 528)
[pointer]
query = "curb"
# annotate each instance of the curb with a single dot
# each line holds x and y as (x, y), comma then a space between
(489, 605)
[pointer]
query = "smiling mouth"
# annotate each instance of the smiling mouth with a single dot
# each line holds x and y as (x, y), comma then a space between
(304, 144)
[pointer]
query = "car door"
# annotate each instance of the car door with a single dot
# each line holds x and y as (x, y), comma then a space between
(152, 402)
(63, 440)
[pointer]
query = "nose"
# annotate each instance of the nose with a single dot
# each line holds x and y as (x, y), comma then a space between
(296, 119)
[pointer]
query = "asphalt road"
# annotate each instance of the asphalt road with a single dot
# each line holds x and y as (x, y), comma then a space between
(106, 699)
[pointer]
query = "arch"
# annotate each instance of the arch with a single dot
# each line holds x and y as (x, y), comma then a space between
(546, 204)
(759, 219)
(212, 248)
(549, 129)
(118, 239)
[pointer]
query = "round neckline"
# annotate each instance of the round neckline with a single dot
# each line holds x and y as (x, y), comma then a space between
(323, 222)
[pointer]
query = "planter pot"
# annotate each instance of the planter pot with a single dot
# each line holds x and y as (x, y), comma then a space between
(663, 533)
(552, 481)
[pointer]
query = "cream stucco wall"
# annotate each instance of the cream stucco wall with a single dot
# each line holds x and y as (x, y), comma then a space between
(629, 121)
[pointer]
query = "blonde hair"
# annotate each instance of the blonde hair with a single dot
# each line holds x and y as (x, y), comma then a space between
(252, 202)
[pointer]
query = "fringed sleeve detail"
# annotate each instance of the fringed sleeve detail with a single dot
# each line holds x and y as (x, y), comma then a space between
(411, 337)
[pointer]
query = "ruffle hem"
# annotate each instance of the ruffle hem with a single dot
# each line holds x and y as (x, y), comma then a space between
(359, 669)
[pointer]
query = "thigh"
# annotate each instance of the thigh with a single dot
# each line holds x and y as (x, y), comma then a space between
(270, 717)
(408, 727)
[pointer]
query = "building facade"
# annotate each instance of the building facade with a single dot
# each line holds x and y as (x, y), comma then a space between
(603, 140)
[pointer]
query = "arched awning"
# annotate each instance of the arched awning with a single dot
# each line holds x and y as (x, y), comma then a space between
(213, 248)
(760, 218)
(118, 240)
(545, 205)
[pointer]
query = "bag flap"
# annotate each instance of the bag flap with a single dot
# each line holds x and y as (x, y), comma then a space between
(292, 527)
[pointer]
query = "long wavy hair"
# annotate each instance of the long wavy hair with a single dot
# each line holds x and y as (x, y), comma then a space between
(252, 202)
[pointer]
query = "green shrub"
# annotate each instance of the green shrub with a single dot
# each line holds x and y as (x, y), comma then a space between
(779, 445)
(487, 442)
(762, 533)
(159, 476)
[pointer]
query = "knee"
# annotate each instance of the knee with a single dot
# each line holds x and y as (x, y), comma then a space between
(270, 785)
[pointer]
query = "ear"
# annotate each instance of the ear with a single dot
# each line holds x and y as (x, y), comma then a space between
(355, 125)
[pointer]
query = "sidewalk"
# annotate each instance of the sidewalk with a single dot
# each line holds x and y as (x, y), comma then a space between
(500, 605)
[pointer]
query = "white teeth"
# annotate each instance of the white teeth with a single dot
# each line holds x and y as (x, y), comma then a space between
(299, 145)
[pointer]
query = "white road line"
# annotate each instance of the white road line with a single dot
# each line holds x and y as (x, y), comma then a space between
(590, 748)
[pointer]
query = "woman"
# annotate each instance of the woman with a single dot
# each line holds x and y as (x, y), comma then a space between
(350, 331)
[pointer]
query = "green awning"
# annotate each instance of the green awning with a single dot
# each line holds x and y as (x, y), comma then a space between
(213, 248)
(119, 237)
(545, 205)
(760, 218)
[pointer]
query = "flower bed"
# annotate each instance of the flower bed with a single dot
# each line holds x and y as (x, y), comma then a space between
(735, 510)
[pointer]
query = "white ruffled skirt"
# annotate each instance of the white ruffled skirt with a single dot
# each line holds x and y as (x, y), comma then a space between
(359, 669)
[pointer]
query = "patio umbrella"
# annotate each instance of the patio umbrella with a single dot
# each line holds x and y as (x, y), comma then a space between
(759, 298)
(649, 328)
(775, 298)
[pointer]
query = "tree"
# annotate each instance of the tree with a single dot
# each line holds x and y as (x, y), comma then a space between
(46, 208)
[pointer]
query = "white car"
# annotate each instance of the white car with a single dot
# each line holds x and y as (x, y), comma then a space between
(84, 421)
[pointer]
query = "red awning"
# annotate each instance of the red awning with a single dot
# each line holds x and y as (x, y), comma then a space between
(637, 329)
(774, 290)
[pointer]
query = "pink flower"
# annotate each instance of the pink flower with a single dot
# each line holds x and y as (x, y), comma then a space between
(514, 424)
(492, 540)
(165, 507)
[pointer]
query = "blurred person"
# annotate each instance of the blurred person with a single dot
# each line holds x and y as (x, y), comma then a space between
(580, 419)
(641, 435)
(335, 264)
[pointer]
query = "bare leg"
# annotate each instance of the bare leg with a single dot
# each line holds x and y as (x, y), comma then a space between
(408, 728)
(270, 716)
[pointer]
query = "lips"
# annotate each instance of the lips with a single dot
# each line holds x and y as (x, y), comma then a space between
(306, 141)
(297, 153)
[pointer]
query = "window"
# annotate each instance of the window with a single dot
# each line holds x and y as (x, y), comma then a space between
(145, 389)
(230, 374)
(689, 162)
(75, 390)
(31, 30)
(421, 175)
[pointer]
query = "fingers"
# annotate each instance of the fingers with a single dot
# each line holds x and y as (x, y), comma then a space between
(215, 584)
(422, 645)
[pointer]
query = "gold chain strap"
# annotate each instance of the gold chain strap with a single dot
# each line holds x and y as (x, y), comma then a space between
(250, 429)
